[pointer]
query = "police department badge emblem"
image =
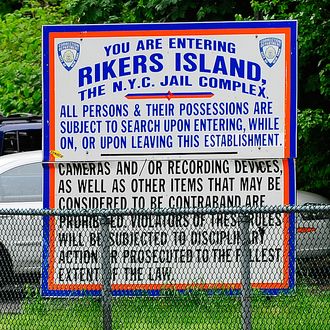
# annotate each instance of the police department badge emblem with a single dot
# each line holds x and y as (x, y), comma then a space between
(270, 50)
(68, 53)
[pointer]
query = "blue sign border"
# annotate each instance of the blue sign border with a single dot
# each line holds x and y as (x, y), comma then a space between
(292, 25)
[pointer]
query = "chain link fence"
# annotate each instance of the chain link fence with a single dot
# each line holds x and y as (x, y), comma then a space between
(235, 268)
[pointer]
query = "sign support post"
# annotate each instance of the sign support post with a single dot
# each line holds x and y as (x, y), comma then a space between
(246, 291)
(106, 273)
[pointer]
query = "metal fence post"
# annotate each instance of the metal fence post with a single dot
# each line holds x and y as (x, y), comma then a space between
(106, 273)
(245, 271)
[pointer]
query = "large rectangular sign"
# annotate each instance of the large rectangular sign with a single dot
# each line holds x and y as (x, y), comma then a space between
(166, 116)
(173, 251)
(222, 89)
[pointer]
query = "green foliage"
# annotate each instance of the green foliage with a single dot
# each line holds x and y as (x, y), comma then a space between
(33, 303)
(313, 42)
(95, 11)
(313, 82)
(313, 151)
(107, 11)
(179, 10)
(20, 55)
(9, 6)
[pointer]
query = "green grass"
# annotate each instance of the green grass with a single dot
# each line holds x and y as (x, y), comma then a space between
(307, 308)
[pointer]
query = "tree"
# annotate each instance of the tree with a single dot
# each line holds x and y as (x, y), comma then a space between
(109, 11)
(9, 6)
(314, 68)
(313, 170)
(96, 11)
(20, 55)
(313, 42)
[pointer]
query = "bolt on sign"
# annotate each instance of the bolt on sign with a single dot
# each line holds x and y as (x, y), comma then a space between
(168, 115)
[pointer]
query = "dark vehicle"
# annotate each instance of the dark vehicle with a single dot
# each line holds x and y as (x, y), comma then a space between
(20, 132)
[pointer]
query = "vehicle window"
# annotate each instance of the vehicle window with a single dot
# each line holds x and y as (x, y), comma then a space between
(22, 184)
(10, 142)
(29, 140)
(15, 141)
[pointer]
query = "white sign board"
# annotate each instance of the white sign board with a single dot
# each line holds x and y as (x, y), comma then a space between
(154, 252)
(168, 115)
(218, 89)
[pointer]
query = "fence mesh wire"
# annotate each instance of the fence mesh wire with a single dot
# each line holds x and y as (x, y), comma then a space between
(178, 269)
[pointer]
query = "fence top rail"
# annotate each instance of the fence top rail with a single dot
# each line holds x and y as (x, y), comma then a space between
(244, 210)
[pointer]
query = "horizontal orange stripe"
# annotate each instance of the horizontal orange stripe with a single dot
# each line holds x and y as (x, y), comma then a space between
(306, 229)
(181, 286)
